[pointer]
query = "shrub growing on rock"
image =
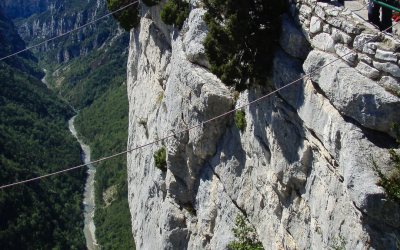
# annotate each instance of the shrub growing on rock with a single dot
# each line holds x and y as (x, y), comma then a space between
(175, 12)
(242, 39)
(338, 244)
(391, 183)
(143, 122)
(160, 157)
(128, 18)
(189, 207)
(245, 237)
(240, 120)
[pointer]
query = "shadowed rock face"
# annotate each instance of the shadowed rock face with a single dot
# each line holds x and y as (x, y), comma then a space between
(10, 41)
(25, 8)
(301, 171)
(353, 94)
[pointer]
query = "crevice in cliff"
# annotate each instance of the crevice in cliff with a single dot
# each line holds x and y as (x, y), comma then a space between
(319, 90)
(381, 234)
(233, 201)
(378, 138)
(265, 148)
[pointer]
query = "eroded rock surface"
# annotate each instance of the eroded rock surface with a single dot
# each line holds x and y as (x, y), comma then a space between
(301, 170)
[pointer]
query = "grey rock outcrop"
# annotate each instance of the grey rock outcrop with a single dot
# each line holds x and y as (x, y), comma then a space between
(292, 39)
(300, 171)
(23, 8)
(353, 94)
(195, 31)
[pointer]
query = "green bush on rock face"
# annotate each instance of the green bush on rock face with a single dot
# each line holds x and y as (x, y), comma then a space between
(175, 12)
(128, 18)
(245, 237)
(391, 183)
(242, 38)
(160, 159)
(240, 120)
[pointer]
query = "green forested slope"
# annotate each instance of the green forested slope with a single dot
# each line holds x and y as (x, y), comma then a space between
(104, 126)
(86, 78)
(96, 74)
(82, 65)
(35, 140)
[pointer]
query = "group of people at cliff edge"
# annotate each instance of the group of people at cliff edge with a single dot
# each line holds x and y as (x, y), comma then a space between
(374, 11)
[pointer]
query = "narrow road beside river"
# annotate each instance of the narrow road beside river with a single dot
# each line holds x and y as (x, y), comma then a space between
(88, 196)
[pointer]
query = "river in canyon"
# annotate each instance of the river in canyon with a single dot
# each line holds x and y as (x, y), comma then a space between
(88, 196)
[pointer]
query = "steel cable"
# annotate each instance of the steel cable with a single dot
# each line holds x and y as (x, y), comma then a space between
(198, 125)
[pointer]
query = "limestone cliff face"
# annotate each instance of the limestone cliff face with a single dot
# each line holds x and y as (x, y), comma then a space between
(301, 171)
(45, 19)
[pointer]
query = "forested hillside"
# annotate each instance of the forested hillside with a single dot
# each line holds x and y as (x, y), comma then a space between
(87, 69)
(34, 140)
(80, 66)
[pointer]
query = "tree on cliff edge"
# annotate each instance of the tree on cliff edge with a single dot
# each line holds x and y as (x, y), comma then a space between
(128, 18)
(242, 39)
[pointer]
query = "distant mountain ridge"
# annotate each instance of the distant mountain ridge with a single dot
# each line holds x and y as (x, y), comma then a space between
(75, 62)
(53, 18)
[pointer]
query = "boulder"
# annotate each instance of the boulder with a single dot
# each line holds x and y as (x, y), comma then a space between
(389, 67)
(386, 55)
(197, 31)
(390, 83)
(346, 54)
(367, 70)
(340, 36)
(324, 42)
(353, 94)
(315, 25)
(292, 39)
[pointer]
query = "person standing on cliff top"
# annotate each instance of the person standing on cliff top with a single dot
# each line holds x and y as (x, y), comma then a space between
(373, 15)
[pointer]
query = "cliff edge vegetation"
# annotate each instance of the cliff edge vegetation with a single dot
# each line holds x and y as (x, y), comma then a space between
(128, 18)
(242, 39)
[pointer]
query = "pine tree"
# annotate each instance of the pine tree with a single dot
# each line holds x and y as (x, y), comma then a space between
(242, 39)
(128, 18)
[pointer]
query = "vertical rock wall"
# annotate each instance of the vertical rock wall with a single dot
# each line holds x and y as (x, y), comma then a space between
(301, 171)
(45, 19)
